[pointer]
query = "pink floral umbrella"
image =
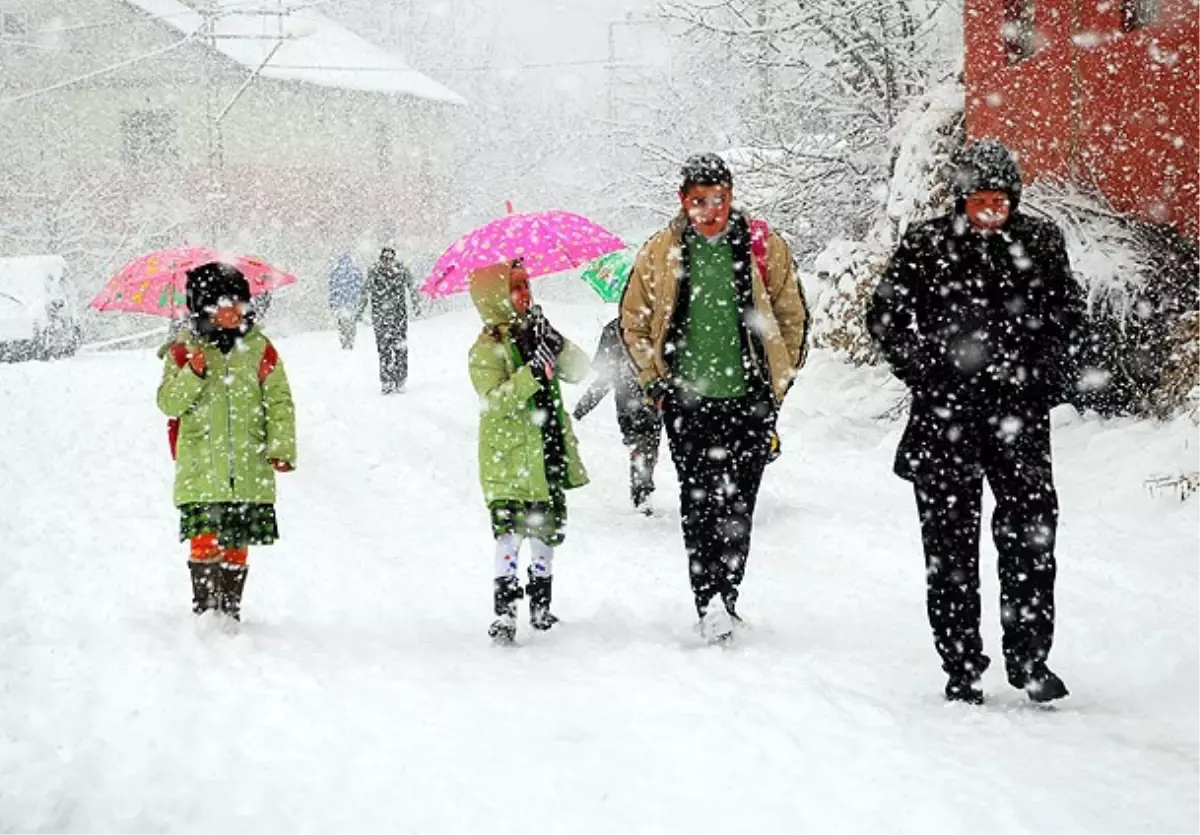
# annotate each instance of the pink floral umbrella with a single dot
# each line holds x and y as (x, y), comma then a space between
(155, 283)
(548, 242)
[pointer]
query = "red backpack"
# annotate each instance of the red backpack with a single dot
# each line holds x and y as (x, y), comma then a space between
(179, 353)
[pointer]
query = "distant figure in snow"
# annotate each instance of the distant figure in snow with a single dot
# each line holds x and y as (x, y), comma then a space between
(979, 315)
(714, 320)
(391, 289)
(233, 428)
(528, 455)
(346, 299)
(640, 422)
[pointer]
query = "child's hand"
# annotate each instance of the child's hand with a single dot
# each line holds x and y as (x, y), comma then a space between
(656, 392)
(197, 362)
(281, 466)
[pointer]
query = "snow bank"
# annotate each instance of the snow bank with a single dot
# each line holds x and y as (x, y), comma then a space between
(363, 695)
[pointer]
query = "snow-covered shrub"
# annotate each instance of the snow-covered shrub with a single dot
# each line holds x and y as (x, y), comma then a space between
(1141, 283)
(848, 272)
(926, 138)
(1170, 326)
(927, 135)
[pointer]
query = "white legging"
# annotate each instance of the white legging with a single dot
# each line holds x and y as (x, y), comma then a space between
(508, 550)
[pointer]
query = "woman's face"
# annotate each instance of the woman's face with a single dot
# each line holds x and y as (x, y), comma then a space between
(518, 285)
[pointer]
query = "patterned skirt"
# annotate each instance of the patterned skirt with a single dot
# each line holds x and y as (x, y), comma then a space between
(546, 521)
(236, 525)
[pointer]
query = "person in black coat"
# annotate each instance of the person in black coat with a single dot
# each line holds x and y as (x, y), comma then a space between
(979, 315)
(640, 422)
(391, 289)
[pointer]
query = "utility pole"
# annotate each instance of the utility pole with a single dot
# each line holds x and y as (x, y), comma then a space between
(764, 66)
(213, 195)
(612, 64)
(215, 198)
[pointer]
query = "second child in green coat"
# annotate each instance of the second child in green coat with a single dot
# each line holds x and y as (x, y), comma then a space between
(528, 454)
(233, 427)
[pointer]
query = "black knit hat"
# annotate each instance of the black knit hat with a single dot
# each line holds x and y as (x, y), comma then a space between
(208, 283)
(705, 170)
(987, 165)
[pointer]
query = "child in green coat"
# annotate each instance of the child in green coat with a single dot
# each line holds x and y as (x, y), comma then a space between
(528, 454)
(233, 427)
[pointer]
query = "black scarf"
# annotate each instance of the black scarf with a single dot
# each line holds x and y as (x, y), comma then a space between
(223, 338)
(553, 444)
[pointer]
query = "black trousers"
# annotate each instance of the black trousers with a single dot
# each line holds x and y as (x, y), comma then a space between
(720, 451)
(347, 328)
(641, 433)
(391, 341)
(1018, 468)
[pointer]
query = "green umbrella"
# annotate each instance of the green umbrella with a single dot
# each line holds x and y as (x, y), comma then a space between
(608, 274)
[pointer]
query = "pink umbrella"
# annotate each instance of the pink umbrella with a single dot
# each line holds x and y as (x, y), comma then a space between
(548, 242)
(156, 282)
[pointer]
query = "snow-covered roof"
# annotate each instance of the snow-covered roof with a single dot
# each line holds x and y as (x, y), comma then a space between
(316, 49)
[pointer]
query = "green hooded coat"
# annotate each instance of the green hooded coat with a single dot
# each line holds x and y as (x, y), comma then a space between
(512, 460)
(230, 424)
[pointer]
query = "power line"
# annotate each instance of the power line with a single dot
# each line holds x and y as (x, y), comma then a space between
(423, 70)
(87, 76)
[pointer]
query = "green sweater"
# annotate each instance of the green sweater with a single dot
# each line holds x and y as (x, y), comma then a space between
(710, 358)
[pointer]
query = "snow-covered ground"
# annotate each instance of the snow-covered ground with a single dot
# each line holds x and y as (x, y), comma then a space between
(362, 693)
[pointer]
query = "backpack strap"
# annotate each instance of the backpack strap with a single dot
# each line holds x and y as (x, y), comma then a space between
(179, 353)
(266, 365)
(759, 233)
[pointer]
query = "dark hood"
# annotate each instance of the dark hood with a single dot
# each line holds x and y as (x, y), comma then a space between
(206, 286)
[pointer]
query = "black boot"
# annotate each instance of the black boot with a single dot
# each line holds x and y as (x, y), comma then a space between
(539, 591)
(731, 598)
(963, 685)
(205, 586)
(1038, 682)
(507, 592)
(229, 596)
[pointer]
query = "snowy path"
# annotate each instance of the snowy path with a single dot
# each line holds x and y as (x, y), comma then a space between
(363, 695)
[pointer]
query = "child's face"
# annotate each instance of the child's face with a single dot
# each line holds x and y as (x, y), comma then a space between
(228, 314)
(518, 284)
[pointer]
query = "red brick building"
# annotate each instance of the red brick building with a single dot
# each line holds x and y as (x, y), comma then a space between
(1101, 92)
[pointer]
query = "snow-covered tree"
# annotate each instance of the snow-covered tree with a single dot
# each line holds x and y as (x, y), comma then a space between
(822, 87)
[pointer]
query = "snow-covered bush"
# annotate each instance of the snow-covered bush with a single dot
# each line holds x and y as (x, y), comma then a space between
(927, 135)
(848, 272)
(1141, 283)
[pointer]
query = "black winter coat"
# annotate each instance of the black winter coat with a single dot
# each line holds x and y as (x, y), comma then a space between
(981, 329)
(614, 370)
(390, 289)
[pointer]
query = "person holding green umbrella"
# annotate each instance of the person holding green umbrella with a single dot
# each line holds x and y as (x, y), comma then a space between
(640, 421)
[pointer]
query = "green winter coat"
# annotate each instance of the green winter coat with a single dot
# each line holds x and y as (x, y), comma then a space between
(230, 424)
(512, 461)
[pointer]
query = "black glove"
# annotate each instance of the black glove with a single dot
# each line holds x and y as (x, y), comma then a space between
(543, 356)
(656, 391)
(545, 337)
